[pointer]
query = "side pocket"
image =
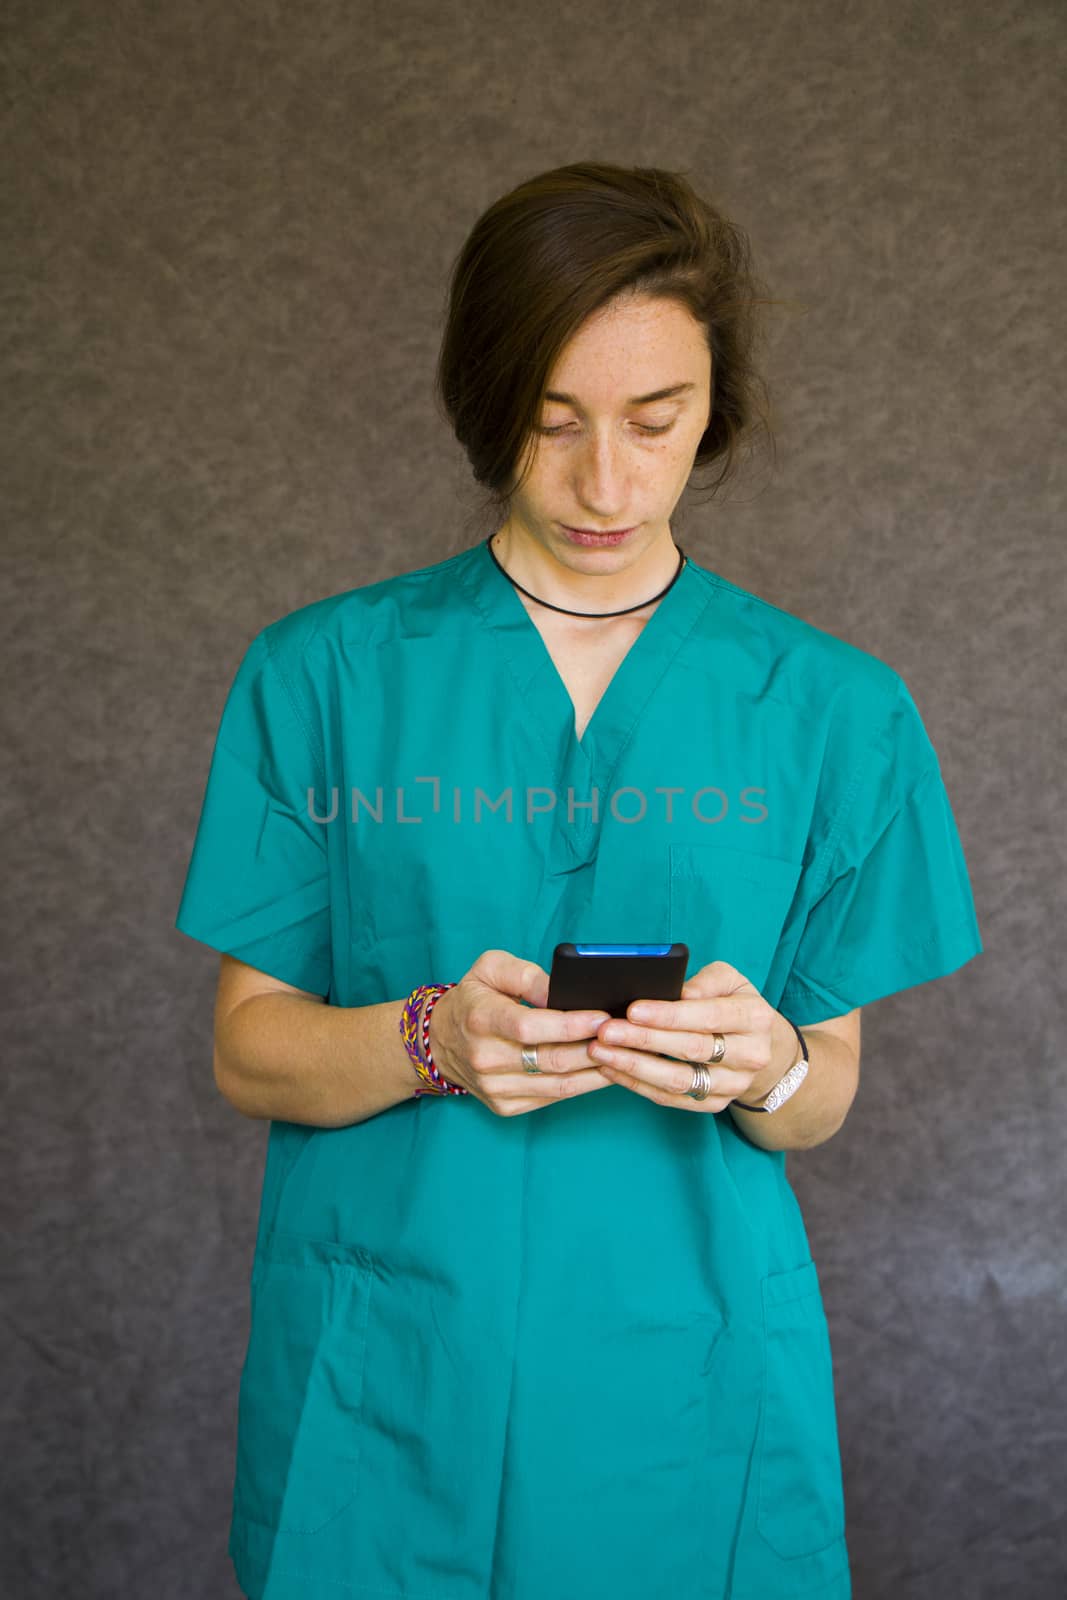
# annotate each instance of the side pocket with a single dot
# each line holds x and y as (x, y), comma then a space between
(300, 1399)
(801, 1507)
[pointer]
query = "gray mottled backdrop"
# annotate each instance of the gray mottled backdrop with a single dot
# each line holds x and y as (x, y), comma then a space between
(227, 229)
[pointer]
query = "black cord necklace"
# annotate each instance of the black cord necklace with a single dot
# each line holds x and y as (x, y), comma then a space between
(625, 612)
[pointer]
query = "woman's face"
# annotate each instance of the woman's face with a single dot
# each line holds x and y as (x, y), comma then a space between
(602, 467)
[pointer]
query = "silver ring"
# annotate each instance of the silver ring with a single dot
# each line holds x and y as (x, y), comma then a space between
(701, 1086)
(701, 1082)
(529, 1058)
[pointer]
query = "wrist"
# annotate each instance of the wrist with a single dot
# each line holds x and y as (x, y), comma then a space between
(439, 1037)
(415, 1023)
(434, 1032)
(419, 1021)
(785, 1051)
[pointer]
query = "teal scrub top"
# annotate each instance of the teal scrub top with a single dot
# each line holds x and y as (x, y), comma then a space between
(580, 1353)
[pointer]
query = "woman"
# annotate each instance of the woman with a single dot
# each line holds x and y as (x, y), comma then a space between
(578, 1354)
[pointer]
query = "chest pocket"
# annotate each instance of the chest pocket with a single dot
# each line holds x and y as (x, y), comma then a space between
(298, 1420)
(730, 905)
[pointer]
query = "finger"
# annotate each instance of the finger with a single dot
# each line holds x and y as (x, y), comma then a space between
(562, 1089)
(717, 978)
(555, 1060)
(509, 974)
(665, 1042)
(512, 1025)
(577, 1075)
(543, 1027)
(565, 1085)
(669, 1077)
(667, 1097)
(722, 1014)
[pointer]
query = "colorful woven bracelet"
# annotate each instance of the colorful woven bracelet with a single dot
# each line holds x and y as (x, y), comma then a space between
(440, 1083)
(412, 1035)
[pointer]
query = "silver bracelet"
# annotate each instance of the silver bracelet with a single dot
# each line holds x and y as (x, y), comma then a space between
(787, 1084)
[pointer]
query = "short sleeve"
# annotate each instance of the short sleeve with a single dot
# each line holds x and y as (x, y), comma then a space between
(895, 906)
(257, 885)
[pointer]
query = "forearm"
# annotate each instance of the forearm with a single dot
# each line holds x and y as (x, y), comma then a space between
(816, 1110)
(282, 1057)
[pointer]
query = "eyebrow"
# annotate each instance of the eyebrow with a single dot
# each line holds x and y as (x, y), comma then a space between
(635, 400)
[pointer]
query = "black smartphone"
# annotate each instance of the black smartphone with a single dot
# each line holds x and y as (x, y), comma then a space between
(609, 977)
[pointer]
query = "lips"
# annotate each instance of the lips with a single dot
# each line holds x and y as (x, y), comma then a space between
(595, 540)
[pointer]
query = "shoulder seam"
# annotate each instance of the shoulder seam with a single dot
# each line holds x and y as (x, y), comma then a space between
(314, 748)
(726, 587)
(747, 594)
(832, 840)
(434, 566)
(273, 655)
(830, 843)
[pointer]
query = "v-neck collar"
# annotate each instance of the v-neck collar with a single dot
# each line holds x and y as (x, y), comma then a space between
(535, 690)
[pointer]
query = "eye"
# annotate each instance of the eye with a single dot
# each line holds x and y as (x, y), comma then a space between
(642, 427)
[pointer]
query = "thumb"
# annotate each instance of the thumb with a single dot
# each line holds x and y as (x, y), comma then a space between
(535, 984)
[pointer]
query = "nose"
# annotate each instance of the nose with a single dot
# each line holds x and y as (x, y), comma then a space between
(601, 475)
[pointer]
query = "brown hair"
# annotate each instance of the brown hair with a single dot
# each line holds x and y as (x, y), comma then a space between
(555, 249)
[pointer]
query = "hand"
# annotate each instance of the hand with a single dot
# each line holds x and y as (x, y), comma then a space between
(478, 1030)
(760, 1042)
